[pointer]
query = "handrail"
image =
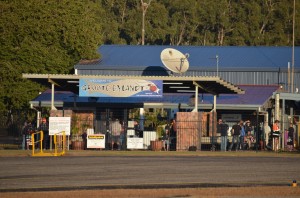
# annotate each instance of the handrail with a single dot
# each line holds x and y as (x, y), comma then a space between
(59, 144)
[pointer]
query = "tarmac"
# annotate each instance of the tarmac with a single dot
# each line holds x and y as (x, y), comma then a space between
(101, 169)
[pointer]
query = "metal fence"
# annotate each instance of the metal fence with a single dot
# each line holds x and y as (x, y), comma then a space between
(192, 133)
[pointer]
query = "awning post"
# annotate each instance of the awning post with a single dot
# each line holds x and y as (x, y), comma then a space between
(196, 99)
(52, 97)
(215, 103)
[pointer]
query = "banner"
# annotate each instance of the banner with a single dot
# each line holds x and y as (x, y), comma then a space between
(120, 88)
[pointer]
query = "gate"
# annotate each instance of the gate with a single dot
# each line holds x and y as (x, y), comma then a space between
(59, 140)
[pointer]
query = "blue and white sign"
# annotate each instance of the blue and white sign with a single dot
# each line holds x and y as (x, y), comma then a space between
(120, 88)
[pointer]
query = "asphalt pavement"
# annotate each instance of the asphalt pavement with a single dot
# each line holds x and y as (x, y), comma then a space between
(79, 170)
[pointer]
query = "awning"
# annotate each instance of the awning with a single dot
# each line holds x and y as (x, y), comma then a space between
(206, 84)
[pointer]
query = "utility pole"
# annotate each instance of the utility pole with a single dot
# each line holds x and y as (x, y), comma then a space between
(144, 9)
(293, 50)
(217, 58)
(217, 61)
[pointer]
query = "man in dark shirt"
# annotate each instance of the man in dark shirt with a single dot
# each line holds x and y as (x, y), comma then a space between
(44, 126)
(223, 129)
(235, 131)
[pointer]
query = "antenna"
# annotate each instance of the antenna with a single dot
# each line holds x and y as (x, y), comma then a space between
(174, 60)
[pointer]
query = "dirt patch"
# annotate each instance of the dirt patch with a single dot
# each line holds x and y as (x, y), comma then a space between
(166, 193)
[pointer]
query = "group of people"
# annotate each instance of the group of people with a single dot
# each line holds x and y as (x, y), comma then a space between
(276, 134)
(243, 138)
(241, 135)
(29, 128)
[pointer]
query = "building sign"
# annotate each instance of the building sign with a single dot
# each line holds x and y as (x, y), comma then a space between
(96, 141)
(120, 88)
(59, 124)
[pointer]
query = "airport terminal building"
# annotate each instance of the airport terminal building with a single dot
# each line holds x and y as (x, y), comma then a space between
(132, 83)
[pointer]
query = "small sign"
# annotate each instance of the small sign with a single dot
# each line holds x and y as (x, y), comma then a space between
(96, 141)
(134, 143)
(59, 124)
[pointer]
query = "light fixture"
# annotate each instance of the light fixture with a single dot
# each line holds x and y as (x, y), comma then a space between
(73, 81)
(174, 87)
(172, 83)
(190, 91)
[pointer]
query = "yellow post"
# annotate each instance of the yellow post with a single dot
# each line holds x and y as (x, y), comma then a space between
(64, 142)
(41, 140)
(55, 143)
(32, 143)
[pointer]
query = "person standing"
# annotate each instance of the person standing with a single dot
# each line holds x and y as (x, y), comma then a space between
(45, 128)
(222, 128)
(290, 140)
(276, 134)
(242, 135)
(166, 138)
(137, 129)
(236, 131)
(173, 134)
(173, 128)
(122, 138)
(248, 127)
(84, 138)
(115, 129)
(28, 130)
(267, 131)
(24, 133)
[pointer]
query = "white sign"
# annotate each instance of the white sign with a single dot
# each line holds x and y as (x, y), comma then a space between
(96, 141)
(59, 124)
(134, 143)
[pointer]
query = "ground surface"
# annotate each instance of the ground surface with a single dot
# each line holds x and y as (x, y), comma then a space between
(165, 193)
(149, 174)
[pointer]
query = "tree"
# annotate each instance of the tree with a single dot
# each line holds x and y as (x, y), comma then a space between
(44, 37)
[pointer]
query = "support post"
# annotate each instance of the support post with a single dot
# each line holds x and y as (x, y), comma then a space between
(283, 124)
(277, 106)
(52, 97)
(196, 99)
(215, 103)
(142, 117)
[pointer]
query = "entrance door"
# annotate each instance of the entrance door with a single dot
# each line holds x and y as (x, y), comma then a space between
(112, 122)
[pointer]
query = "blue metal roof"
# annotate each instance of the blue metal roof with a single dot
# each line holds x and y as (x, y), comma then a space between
(118, 56)
(254, 95)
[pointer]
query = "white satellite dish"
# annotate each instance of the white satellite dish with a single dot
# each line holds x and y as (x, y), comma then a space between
(174, 60)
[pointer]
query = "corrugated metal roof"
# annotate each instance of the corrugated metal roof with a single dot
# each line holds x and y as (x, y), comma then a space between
(255, 95)
(138, 56)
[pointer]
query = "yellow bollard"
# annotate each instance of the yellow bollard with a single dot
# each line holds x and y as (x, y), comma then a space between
(294, 184)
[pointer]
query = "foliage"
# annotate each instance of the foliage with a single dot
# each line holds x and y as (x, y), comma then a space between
(155, 118)
(43, 37)
(52, 36)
